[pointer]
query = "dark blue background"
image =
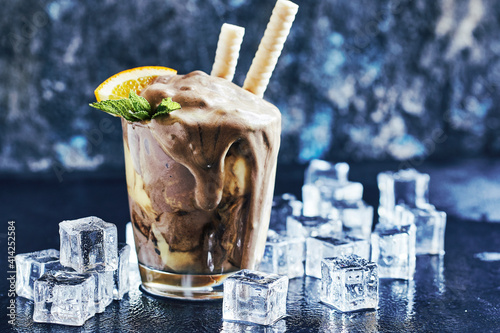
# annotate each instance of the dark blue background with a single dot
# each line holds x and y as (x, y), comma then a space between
(402, 80)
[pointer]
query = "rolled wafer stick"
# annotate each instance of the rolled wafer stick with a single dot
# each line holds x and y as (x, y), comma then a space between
(270, 47)
(228, 51)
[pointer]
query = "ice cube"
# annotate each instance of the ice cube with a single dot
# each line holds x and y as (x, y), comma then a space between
(283, 255)
(400, 216)
(283, 206)
(31, 266)
(121, 275)
(347, 191)
(321, 178)
(64, 298)
(87, 243)
(321, 172)
(393, 248)
(430, 228)
(311, 198)
(103, 291)
(254, 297)
(311, 226)
(319, 199)
(356, 218)
(318, 248)
(349, 283)
(408, 187)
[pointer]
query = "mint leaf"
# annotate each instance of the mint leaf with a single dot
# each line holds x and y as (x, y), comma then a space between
(139, 103)
(116, 107)
(106, 106)
(135, 108)
(166, 106)
(122, 106)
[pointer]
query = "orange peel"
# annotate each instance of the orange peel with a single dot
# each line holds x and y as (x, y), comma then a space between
(119, 85)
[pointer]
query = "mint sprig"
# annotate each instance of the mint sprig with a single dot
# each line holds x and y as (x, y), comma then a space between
(166, 106)
(135, 107)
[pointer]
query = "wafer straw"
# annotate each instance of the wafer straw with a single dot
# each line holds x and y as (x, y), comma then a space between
(270, 47)
(228, 51)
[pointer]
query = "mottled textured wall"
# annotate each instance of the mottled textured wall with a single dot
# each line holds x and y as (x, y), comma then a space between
(358, 79)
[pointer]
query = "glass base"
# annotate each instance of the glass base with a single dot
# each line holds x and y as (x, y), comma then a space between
(182, 286)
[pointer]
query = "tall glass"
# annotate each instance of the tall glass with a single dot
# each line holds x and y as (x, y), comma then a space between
(200, 184)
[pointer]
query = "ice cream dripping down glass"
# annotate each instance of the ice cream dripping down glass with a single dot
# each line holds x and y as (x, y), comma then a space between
(200, 183)
(200, 179)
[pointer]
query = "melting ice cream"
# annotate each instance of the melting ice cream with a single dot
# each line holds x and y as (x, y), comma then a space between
(201, 180)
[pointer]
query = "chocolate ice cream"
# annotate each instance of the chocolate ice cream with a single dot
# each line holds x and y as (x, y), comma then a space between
(201, 179)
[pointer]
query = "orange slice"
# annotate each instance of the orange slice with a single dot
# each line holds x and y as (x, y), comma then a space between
(119, 85)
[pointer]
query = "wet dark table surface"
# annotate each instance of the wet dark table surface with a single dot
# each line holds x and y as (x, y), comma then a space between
(457, 293)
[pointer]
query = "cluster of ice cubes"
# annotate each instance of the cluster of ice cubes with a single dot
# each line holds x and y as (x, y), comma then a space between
(327, 192)
(329, 236)
(71, 285)
(331, 220)
(409, 224)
